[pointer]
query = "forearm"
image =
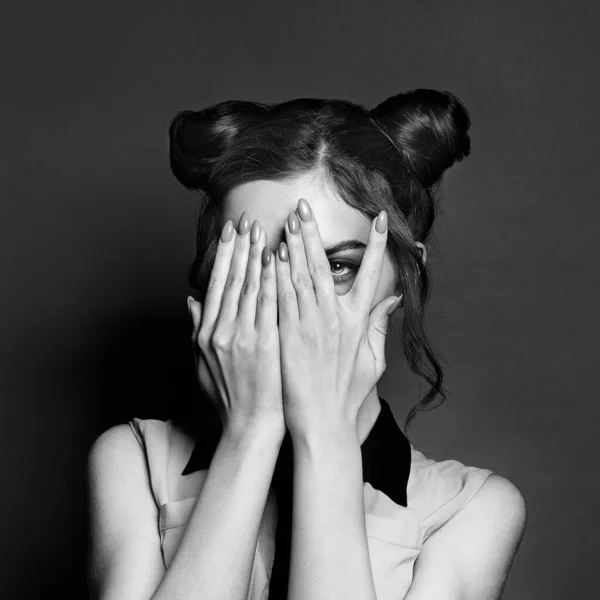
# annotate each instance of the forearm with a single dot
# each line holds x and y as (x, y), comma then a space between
(330, 555)
(215, 556)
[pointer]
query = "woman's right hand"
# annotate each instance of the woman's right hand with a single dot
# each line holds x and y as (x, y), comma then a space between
(235, 336)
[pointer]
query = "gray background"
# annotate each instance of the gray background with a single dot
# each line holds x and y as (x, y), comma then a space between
(97, 237)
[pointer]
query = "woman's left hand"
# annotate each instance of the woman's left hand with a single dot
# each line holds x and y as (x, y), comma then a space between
(332, 347)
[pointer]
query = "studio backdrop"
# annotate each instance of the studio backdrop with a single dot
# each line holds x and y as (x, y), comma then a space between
(97, 238)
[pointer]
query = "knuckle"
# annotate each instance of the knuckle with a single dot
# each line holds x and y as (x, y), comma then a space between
(197, 340)
(287, 294)
(334, 326)
(203, 340)
(312, 337)
(249, 288)
(301, 280)
(267, 276)
(241, 342)
(321, 269)
(269, 343)
(264, 299)
(219, 342)
(233, 280)
(328, 292)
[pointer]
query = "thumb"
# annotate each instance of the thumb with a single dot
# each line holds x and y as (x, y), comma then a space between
(378, 325)
(195, 310)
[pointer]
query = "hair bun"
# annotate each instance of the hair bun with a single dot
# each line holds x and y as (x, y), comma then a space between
(198, 138)
(429, 128)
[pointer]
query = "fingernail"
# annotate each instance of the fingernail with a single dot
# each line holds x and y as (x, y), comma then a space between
(244, 224)
(293, 223)
(283, 252)
(394, 306)
(304, 210)
(189, 303)
(381, 223)
(227, 232)
(255, 233)
(266, 256)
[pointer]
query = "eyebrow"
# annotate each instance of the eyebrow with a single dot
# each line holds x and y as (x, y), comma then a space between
(344, 245)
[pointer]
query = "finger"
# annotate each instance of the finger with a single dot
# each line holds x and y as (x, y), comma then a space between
(369, 273)
(317, 261)
(299, 273)
(237, 273)
(266, 301)
(204, 375)
(377, 330)
(287, 303)
(218, 274)
(249, 292)
(195, 310)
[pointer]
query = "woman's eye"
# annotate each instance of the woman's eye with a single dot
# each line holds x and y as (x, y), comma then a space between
(342, 270)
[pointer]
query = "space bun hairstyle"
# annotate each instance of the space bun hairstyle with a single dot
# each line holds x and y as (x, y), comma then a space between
(429, 129)
(390, 158)
(199, 139)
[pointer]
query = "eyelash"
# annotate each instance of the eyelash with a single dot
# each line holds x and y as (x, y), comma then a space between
(343, 278)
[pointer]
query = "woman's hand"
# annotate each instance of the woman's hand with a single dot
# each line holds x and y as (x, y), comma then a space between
(332, 348)
(235, 338)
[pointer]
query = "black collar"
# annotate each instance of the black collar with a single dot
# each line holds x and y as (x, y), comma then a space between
(386, 456)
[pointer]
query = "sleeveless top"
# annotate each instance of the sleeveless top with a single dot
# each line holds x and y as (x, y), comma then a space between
(396, 529)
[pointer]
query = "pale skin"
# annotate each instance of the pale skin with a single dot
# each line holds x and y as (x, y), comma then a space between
(467, 559)
(271, 202)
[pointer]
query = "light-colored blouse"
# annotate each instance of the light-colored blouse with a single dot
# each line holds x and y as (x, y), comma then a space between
(436, 491)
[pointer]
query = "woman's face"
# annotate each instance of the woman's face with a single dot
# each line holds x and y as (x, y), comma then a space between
(272, 201)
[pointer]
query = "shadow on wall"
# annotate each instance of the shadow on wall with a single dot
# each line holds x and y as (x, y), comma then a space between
(139, 364)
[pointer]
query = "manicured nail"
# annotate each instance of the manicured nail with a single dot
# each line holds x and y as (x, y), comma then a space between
(283, 252)
(244, 224)
(381, 223)
(266, 256)
(255, 232)
(304, 210)
(189, 303)
(293, 223)
(227, 232)
(395, 305)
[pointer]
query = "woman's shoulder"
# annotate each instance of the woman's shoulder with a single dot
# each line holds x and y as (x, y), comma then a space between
(114, 457)
(111, 441)
(475, 500)
(439, 489)
(151, 428)
(167, 443)
(123, 445)
(424, 468)
(155, 437)
(160, 437)
(158, 448)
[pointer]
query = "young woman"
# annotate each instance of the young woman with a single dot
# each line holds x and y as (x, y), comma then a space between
(303, 487)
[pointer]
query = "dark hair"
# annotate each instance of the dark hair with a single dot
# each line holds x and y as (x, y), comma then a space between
(390, 158)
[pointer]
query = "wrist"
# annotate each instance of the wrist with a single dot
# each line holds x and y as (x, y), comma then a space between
(254, 431)
(326, 439)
